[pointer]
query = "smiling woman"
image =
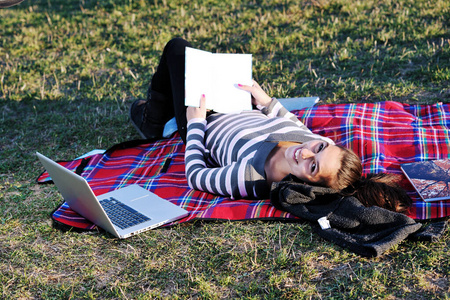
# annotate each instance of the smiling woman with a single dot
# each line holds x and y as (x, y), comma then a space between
(315, 162)
(241, 155)
(248, 151)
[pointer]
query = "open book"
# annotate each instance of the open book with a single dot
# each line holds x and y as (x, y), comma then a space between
(431, 178)
(217, 75)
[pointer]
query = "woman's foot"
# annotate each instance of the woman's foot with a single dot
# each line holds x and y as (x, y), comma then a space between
(140, 118)
(8, 3)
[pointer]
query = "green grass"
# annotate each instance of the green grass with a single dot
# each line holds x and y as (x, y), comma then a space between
(68, 73)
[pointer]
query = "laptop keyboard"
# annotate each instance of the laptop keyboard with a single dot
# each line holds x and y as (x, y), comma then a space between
(122, 215)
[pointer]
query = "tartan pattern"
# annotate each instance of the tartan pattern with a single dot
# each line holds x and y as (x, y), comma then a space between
(384, 135)
(387, 134)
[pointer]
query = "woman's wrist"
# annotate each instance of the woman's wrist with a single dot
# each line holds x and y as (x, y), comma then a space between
(196, 120)
(266, 102)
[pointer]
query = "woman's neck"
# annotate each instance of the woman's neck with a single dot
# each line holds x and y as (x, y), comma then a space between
(276, 165)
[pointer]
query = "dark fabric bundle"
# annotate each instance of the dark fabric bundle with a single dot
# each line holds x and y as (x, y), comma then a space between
(367, 231)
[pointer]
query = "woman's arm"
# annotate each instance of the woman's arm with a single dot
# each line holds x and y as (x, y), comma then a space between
(269, 106)
(226, 181)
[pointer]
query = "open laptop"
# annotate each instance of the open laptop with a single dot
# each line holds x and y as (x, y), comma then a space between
(123, 212)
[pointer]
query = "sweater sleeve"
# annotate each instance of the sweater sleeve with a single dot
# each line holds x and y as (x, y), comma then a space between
(276, 109)
(226, 181)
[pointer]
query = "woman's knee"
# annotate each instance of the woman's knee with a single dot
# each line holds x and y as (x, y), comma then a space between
(176, 46)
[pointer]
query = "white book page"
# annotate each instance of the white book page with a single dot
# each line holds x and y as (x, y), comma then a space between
(228, 71)
(197, 76)
(220, 83)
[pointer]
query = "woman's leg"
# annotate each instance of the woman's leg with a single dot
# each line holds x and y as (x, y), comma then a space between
(169, 81)
(165, 97)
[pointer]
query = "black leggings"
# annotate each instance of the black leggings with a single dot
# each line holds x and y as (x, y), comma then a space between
(168, 83)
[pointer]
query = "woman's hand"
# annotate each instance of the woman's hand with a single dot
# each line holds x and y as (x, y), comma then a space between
(259, 97)
(197, 112)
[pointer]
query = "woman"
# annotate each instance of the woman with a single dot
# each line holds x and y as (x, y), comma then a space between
(241, 155)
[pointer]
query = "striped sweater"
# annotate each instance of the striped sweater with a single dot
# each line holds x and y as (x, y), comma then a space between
(225, 154)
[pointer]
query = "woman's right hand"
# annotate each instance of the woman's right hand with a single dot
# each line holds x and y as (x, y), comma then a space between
(259, 97)
(197, 112)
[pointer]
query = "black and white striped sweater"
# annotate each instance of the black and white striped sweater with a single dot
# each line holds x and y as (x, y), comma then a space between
(225, 154)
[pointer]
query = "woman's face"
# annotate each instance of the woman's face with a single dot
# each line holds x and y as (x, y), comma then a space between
(315, 162)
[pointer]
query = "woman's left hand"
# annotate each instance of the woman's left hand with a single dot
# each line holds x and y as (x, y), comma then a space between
(259, 97)
(197, 112)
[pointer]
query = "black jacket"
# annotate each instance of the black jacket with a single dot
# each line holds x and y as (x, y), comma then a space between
(367, 231)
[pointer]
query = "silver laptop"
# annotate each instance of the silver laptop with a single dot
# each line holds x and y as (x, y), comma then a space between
(123, 212)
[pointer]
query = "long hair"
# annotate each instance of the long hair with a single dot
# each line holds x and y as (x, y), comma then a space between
(371, 190)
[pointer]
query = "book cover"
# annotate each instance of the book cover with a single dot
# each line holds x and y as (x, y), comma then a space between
(216, 75)
(431, 179)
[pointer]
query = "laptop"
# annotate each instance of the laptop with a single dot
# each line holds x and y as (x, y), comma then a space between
(124, 212)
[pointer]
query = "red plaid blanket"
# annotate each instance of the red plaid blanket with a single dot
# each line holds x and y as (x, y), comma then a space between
(384, 134)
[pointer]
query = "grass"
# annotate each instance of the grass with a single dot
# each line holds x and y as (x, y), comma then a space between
(68, 73)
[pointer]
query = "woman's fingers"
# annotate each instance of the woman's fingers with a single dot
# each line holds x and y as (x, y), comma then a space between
(259, 96)
(249, 87)
(255, 83)
(203, 102)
